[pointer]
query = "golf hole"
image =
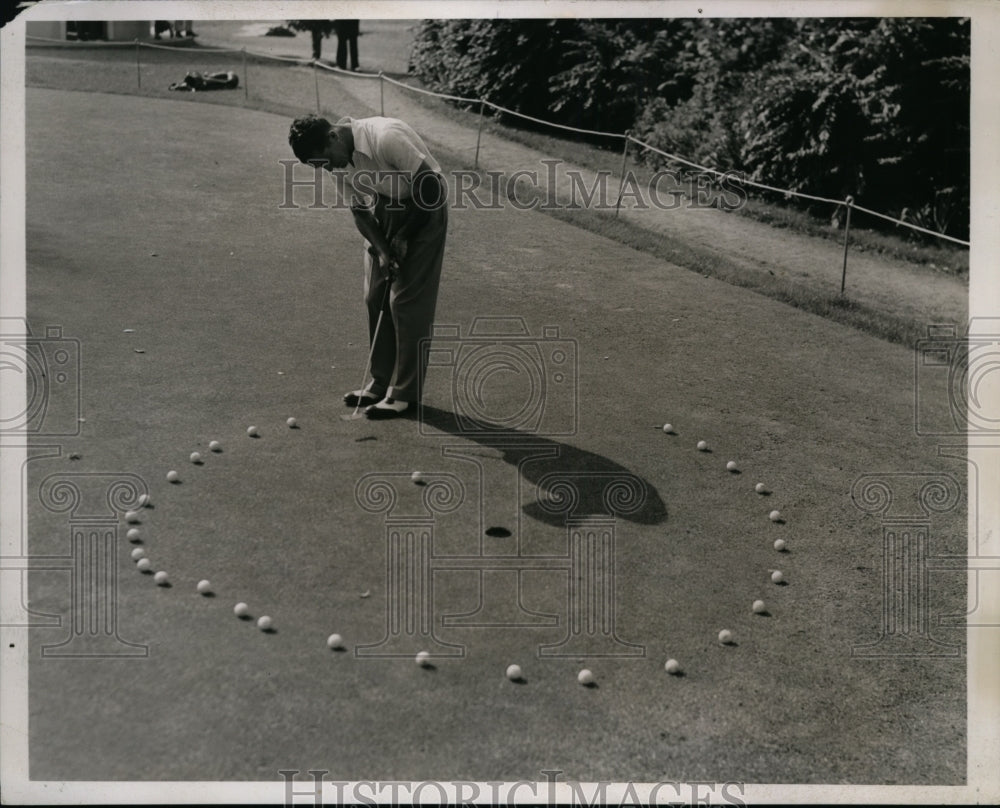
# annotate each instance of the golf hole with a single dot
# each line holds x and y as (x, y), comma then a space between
(498, 532)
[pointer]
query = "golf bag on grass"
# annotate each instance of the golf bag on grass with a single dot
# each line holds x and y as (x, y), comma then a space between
(195, 81)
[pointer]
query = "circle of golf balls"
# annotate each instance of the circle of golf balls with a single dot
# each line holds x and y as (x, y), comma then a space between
(731, 465)
(760, 488)
(252, 431)
(423, 659)
(291, 422)
(143, 564)
(758, 607)
(204, 587)
(131, 516)
(335, 641)
(774, 516)
(263, 622)
(195, 457)
(779, 544)
(725, 636)
(143, 500)
(215, 446)
(160, 577)
(173, 476)
(777, 577)
(672, 666)
(417, 476)
(585, 677)
(133, 534)
(702, 446)
(668, 428)
(241, 610)
(138, 553)
(513, 672)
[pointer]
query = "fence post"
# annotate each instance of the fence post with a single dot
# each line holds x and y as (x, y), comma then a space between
(847, 231)
(381, 93)
(479, 136)
(138, 68)
(246, 89)
(316, 81)
(621, 187)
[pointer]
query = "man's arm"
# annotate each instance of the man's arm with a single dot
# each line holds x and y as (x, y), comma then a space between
(365, 221)
(428, 192)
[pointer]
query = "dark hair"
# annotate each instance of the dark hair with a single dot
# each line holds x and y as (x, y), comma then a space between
(308, 135)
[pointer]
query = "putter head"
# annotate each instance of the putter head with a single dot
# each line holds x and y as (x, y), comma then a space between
(354, 416)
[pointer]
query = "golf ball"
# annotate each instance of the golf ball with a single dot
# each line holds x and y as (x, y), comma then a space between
(133, 534)
(160, 577)
(423, 659)
(672, 666)
(143, 564)
(143, 500)
(513, 672)
(204, 587)
(252, 431)
(760, 488)
(774, 516)
(335, 641)
(263, 622)
(195, 457)
(758, 607)
(702, 446)
(132, 516)
(668, 428)
(779, 544)
(173, 476)
(777, 577)
(417, 476)
(138, 553)
(241, 610)
(731, 465)
(585, 677)
(291, 422)
(215, 446)
(725, 636)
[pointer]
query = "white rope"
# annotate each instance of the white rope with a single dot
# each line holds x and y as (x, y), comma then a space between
(737, 177)
(436, 95)
(911, 226)
(343, 72)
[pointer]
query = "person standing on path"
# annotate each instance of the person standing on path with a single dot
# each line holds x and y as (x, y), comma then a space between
(400, 207)
(347, 38)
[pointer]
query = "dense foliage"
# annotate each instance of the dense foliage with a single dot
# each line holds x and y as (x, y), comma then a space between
(876, 107)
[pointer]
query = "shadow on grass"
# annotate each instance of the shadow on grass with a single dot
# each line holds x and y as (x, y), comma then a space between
(592, 473)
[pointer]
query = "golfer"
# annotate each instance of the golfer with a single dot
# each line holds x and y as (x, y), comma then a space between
(400, 207)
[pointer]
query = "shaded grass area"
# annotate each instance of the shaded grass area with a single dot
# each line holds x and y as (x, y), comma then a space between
(288, 89)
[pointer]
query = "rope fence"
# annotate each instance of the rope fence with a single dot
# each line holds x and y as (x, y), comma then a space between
(848, 203)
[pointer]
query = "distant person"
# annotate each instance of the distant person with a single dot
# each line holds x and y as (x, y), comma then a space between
(184, 28)
(161, 27)
(347, 35)
(401, 208)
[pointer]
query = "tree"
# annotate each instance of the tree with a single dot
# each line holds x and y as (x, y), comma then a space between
(318, 29)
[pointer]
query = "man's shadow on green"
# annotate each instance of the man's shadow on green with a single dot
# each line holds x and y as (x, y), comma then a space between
(633, 498)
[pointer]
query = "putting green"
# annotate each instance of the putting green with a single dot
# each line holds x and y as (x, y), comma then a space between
(156, 239)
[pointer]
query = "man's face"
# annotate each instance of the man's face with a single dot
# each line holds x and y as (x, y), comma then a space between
(335, 155)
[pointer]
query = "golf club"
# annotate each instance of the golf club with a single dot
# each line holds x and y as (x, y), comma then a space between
(378, 324)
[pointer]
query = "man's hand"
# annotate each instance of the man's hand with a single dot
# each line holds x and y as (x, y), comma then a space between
(384, 263)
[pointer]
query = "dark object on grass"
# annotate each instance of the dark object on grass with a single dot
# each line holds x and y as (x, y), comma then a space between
(195, 81)
(279, 30)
